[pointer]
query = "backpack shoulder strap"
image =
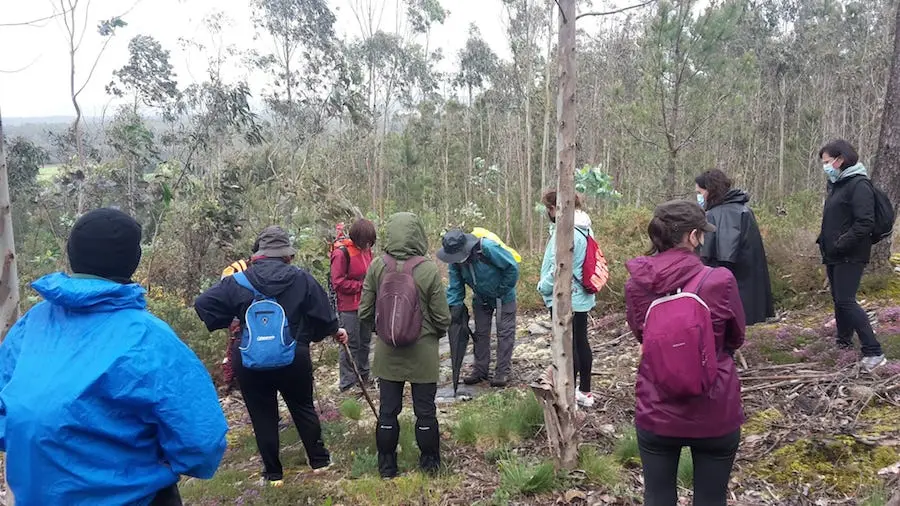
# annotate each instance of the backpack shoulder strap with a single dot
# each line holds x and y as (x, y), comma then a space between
(390, 264)
(411, 263)
(698, 281)
(241, 279)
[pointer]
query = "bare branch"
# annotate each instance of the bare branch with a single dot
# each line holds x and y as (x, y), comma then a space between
(3, 71)
(616, 11)
(94, 67)
(34, 22)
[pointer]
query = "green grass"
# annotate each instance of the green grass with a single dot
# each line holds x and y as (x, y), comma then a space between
(351, 408)
(365, 463)
(498, 419)
(407, 490)
(48, 172)
(626, 450)
(600, 469)
(686, 469)
(520, 478)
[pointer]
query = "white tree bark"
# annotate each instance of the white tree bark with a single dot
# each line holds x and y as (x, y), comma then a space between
(9, 276)
(555, 388)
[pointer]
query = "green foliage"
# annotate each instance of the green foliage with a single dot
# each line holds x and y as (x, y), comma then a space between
(365, 463)
(23, 162)
(593, 182)
(626, 449)
(603, 470)
(686, 468)
(495, 419)
(518, 477)
(351, 408)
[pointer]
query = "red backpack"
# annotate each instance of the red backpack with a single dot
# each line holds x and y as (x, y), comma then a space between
(594, 271)
(398, 316)
(679, 348)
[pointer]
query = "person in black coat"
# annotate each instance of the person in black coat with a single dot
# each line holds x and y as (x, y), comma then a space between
(736, 244)
(845, 242)
(310, 318)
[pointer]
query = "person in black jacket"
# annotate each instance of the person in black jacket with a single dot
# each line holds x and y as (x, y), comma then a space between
(311, 319)
(846, 245)
(736, 243)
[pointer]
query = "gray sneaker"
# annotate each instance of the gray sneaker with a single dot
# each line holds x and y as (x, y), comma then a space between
(869, 364)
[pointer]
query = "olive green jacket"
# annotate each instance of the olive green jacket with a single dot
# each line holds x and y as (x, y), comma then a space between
(419, 363)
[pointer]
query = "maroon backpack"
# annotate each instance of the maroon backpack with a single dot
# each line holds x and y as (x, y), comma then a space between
(679, 348)
(398, 316)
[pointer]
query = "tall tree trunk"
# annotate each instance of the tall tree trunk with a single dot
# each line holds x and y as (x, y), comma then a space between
(554, 388)
(9, 276)
(783, 107)
(469, 160)
(886, 170)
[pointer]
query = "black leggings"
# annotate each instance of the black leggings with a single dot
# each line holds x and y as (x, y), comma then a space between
(849, 316)
(260, 390)
(582, 354)
(713, 459)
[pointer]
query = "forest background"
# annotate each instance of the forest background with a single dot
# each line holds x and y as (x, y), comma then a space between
(370, 124)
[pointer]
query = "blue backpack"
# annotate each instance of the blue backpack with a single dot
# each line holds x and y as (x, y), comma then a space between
(266, 341)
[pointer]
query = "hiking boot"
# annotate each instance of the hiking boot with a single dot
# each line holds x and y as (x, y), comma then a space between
(430, 464)
(268, 482)
(584, 399)
(387, 465)
(499, 381)
(321, 468)
(844, 344)
(869, 364)
(474, 378)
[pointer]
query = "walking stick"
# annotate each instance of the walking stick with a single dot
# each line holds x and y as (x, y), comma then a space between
(359, 380)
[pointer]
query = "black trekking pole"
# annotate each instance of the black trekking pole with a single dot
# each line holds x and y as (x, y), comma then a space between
(359, 380)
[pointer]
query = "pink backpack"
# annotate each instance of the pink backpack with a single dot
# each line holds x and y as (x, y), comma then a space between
(679, 348)
(398, 317)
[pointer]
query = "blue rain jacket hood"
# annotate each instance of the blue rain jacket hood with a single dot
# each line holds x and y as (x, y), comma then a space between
(100, 402)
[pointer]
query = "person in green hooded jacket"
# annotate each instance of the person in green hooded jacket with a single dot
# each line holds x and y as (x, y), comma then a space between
(417, 364)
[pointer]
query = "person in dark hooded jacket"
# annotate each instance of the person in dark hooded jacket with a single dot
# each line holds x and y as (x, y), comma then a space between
(311, 319)
(710, 425)
(736, 243)
(845, 241)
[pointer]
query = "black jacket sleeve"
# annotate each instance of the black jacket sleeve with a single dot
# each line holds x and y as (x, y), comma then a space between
(862, 203)
(218, 306)
(316, 306)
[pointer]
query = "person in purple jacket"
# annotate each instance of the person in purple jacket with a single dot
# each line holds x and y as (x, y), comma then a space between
(710, 425)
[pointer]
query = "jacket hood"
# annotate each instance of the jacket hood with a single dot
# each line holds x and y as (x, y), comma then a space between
(735, 196)
(405, 236)
(856, 170)
(89, 294)
(582, 220)
(664, 272)
(272, 276)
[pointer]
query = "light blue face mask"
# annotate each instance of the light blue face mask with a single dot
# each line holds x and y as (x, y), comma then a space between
(701, 200)
(832, 173)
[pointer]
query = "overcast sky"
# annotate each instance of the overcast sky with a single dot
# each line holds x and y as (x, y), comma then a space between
(34, 68)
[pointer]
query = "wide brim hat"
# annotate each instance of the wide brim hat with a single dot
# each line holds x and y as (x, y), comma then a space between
(456, 246)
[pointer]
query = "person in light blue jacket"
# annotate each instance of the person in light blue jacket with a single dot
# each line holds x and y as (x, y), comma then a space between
(582, 301)
(100, 402)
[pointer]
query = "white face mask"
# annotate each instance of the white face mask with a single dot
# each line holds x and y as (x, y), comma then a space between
(696, 238)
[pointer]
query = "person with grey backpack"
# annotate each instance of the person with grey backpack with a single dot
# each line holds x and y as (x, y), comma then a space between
(404, 299)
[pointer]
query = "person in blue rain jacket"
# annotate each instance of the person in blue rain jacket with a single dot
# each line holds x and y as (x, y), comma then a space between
(100, 402)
